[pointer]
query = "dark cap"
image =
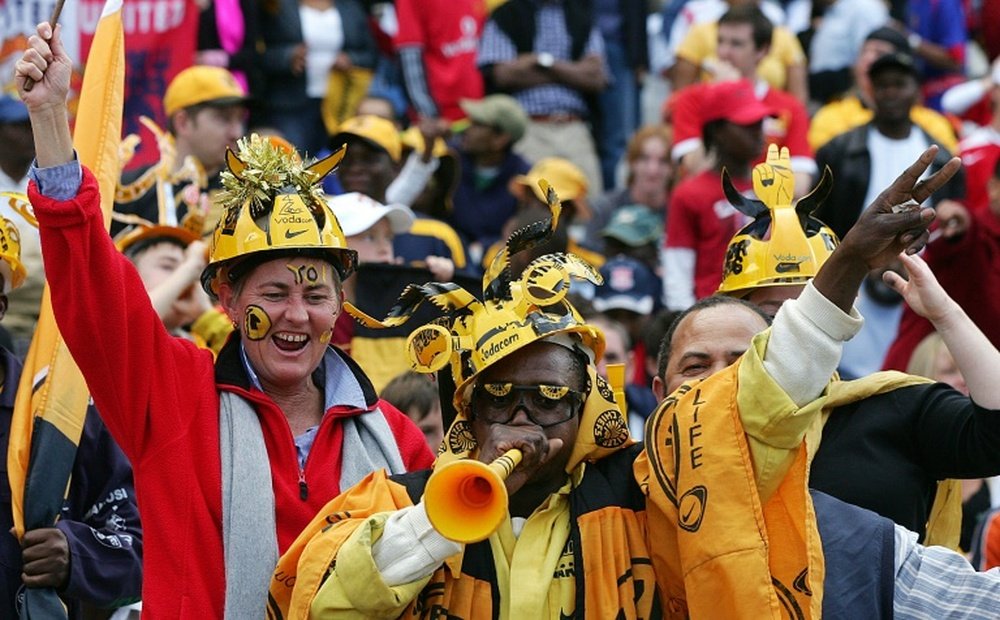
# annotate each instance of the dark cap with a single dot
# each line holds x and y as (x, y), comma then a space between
(628, 285)
(634, 225)
(894, 60)
(500, 111)
(891, 36)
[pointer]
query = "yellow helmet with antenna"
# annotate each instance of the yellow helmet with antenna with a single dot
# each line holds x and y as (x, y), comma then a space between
(513, 312)
(784, 244)
(11, 267)
(274, 205)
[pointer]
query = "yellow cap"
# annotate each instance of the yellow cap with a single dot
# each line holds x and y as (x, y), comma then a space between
(565, 178)
(413, 139)
(202, 84)
(373, 129)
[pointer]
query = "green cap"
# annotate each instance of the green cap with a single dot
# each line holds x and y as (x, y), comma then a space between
(500, 111)
(634, 225)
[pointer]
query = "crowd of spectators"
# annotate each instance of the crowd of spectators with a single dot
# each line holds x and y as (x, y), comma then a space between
(644, 117)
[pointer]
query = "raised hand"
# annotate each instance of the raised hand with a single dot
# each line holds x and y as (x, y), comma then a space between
(44, 61)
(977, 358)
(892, 224)
(895, 222)
(922, 291)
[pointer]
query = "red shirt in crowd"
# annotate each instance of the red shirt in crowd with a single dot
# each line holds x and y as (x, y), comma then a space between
(980, 152)
(700, 223)
(448, 31)
(969, 271)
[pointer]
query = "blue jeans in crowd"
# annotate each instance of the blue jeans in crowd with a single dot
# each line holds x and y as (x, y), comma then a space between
(619, 111)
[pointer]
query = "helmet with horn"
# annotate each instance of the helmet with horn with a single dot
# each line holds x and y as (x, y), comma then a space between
(513, 312)
(784, 244)
(273, 206)
(11, 267)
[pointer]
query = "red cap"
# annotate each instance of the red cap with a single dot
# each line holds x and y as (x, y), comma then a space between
(735, 102)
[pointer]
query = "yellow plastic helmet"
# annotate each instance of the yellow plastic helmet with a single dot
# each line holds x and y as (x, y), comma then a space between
(11, 267)
(273, 205)
(413, 140)
(132, 238)
(784, 244)
(512, 314)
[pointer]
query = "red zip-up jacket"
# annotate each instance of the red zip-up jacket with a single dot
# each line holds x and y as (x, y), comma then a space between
(159, 397)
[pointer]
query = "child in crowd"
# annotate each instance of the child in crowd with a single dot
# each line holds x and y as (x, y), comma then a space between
(370, 228)
(416, 395)
(170, 261)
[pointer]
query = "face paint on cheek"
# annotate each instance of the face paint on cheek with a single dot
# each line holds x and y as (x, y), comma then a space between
(256, 323)
(325, 337)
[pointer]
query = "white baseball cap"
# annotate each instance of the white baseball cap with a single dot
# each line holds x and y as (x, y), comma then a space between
(357, 213)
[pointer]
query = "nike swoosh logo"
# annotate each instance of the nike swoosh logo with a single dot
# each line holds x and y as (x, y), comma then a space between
(687, 517)
(786, 267)
(291, 234)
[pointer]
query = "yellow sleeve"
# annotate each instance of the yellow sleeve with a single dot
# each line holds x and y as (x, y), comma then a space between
(936, 126)
(304, 567)
(699, 44)
(819, 130)
(787, 48)
(212, 329)
(355, 588)
(441, 230)
(836, 118)
(775, 426)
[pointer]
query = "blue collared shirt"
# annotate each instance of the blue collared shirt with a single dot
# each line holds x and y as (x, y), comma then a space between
(60, 182)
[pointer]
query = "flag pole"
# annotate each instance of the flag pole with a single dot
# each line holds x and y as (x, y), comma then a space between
(56, 12)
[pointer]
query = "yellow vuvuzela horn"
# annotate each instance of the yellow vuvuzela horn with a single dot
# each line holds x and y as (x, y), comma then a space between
(466, 500)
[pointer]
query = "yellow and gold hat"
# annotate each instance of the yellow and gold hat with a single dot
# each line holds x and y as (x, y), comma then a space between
(375, 130)
(274, 205)
(512, 313)
(11, 267)
(784, 244)
(568, 181)
(202, 84)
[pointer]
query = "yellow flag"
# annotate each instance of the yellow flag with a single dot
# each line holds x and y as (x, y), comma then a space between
(52, 396)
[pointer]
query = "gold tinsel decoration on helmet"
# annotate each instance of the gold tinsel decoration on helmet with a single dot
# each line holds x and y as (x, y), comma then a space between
(268, 168)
